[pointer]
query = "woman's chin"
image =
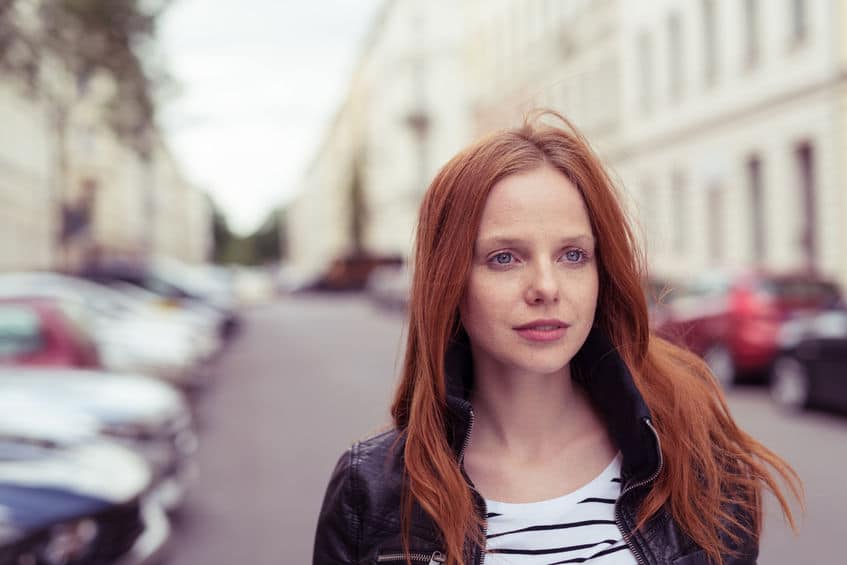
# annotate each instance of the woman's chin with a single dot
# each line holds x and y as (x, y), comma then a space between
(541, 367)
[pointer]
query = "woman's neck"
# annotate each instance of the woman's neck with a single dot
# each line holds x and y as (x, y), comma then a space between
(529, 416)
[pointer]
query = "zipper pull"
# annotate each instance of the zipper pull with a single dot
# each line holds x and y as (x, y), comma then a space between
(437, 557)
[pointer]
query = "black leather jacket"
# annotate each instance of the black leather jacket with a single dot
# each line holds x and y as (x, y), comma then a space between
(360, 518)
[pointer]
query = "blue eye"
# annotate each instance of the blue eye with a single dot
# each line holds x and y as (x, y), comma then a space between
(575, 255)
(503, 258)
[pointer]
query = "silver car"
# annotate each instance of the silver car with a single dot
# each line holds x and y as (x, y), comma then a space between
(146, 415)
(67, 497)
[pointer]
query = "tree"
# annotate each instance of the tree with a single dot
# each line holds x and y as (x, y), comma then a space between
(84, 37)
(358, 206)
(221, 234)
(19, 55)
(55, 48)
(265, 245)
(267, 238)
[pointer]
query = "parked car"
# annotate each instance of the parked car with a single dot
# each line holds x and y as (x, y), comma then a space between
(351, 272)
(131, 335)
(67, 499)
(811, 366)
(143, 414)
(36, 331)
(733, 321)
(174, 283)
(202, 323)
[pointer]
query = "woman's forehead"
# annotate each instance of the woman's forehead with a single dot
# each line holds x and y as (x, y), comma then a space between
(540, 200)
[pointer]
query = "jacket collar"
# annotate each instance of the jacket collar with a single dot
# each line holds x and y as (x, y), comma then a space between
(609, 385)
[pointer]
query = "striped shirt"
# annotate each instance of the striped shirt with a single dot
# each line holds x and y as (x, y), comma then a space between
(578, 527)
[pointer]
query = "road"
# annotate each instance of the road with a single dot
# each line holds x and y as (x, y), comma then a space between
(309, 376)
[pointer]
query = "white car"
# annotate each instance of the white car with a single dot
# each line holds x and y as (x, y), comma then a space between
(67, 496)
(144, 414)
(202, 322)
(132, 335)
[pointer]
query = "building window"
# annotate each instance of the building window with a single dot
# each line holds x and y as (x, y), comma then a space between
(804, 156)
(716, 228)
(751, 33)
(679, 213)
(757, 207)
(799, 20)
(675, 55)
(710, 46)
(645, 64)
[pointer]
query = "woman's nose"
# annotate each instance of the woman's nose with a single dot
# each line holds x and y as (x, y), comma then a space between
(542, 285)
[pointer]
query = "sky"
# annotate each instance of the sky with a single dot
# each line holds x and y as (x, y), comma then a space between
(258, 83)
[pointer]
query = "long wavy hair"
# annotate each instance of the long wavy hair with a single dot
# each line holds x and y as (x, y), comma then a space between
(709, 462)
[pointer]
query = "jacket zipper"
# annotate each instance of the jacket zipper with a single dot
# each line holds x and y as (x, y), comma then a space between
(433, 559)
(480, 553)
(467, 437)
(627, 536)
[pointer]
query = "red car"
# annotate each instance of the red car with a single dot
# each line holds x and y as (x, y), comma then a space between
(37, 331)
(733, 322)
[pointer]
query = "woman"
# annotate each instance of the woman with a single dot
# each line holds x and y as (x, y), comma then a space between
(537, 419)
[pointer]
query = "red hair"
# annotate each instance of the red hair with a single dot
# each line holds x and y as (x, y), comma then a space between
(709, 461)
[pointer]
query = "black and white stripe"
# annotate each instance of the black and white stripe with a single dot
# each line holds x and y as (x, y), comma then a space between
(575, 528)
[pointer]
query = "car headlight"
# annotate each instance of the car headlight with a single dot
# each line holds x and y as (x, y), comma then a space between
(70, 541)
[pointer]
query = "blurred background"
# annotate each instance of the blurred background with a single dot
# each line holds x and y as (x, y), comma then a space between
(208, 209)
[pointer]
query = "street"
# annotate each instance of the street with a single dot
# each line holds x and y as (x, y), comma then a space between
(308, 376)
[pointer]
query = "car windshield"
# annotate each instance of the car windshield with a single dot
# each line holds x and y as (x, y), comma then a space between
(20, 331)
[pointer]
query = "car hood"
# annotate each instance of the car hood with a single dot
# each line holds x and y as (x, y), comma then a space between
(148, 337)
(42, 485)
(28, 417)
(109, 397)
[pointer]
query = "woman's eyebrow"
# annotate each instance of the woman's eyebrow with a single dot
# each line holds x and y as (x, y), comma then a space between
(506, 241)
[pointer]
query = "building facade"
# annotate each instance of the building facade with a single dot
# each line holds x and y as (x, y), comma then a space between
(565, 56)
(28, 219)
(723, 121)
(732, 124)
(405, 114)
(73, 191)
(319, 221)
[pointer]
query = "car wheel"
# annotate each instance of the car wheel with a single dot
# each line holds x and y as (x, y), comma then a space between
(719, 360)
(790, 384)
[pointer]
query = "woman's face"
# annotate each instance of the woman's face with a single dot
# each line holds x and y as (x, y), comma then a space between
(532, 288)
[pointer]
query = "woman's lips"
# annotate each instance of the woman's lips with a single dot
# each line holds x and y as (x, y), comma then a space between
(536, 334)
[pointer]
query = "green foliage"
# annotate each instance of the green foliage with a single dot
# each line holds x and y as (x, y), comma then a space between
(221, 233)
(261, 247)
(85, 37)
(19, 52)
(266, 239)
(358, 206)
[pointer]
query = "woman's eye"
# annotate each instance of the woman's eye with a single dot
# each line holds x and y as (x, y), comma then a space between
(503, 258)
(574, 255)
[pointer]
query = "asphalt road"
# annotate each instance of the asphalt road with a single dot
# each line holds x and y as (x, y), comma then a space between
(307, 377)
